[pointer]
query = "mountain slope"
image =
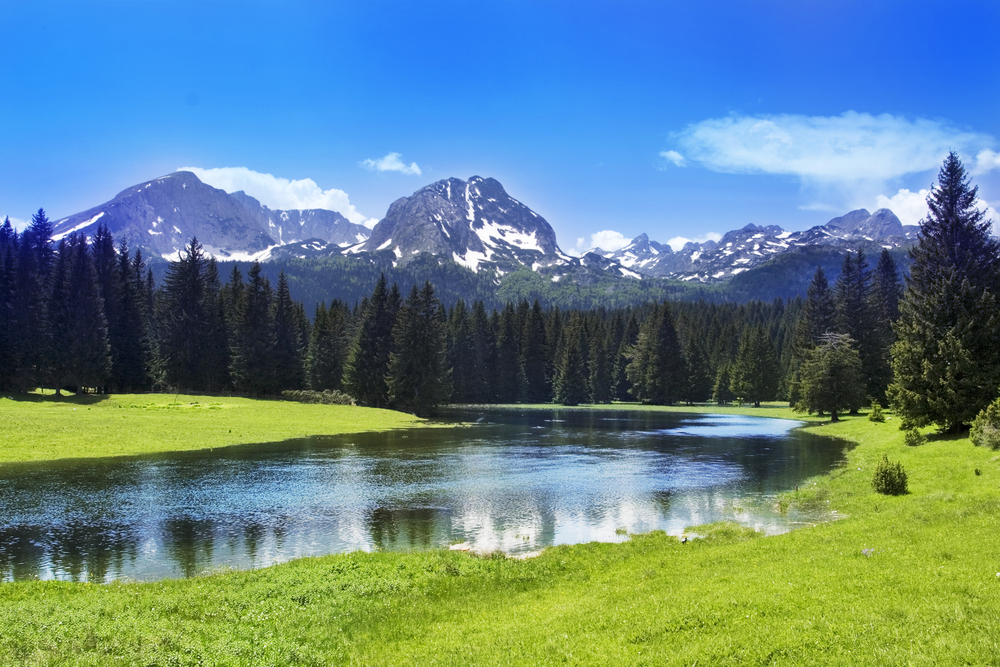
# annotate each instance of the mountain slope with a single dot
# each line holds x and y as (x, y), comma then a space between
(162, 215)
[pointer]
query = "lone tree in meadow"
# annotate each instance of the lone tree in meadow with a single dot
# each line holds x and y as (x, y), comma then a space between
(946, 359)
(832, 378)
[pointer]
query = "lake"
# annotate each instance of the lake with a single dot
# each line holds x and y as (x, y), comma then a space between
(515, 480)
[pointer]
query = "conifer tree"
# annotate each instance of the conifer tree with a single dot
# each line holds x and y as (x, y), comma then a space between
(461, 352)
(533, 357)
(855, 317)
(656, 367)
(508, 375)
(368, 360)
(570, 377)
(832, 378)
(8, 245)
(90, 352)
(885, 294)
(253, 353)
(817, 318)
(130, 347)
(946, 359)
(58, 352)
(721, 393)
(700, 379)
(287, 359)
(216, 344)
(600, 366)
(629, 337)
(182, 320)
(419, 379)
(485, 351)
(754, 374)
(327, 344)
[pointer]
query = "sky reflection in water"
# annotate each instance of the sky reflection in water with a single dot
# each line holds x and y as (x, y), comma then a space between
(513, 480)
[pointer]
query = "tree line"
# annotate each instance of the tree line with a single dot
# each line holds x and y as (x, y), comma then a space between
(88, 316)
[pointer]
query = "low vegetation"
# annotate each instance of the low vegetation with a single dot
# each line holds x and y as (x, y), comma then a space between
(44, 427)
(909, 579)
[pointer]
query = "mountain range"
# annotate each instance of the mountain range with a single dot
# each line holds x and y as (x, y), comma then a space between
(472, 223)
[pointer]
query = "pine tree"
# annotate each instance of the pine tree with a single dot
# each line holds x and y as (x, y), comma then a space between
(327, 344)
(253, 354)
(533, 357)
(817, 318)
(508, 375)
(182, 320)
(216, 344)
(600, 366)
(854, 315)
(419, 379)
(721, 393)
(885, 294)
(832, 378)
(753, 377)
(130, 347)
(656, 368)
(368, 360)
(700, 378)
(287, 360)
(946, 359)
(629, 337)
(485, 351)
(90, 352)
(58, 353)
(571, 378)
(8, 248)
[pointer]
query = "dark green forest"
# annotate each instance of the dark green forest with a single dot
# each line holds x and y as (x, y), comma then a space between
(90, 316)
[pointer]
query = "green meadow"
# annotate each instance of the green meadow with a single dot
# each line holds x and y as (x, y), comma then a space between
(40, 427)
(907, 580)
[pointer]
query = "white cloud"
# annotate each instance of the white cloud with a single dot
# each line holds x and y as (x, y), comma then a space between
(391, 162)
(18, 224)
(605, 240)
(986, 160)
(674, 157)
(847, 148)
(909, 207)
(281, 193)
(678, 242)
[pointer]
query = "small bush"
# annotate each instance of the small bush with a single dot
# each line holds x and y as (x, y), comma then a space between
(875, 415)
(985, 430)
(914, 438)
(889, 478)
(327, 397)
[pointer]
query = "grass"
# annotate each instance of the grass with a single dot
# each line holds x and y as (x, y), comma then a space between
(44, 427)
(908, 580)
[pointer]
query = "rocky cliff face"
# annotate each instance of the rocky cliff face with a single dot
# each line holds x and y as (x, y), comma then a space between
(475, 223)
(161, 216)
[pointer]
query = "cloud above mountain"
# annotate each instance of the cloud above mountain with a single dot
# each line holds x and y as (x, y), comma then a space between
(281, 193)
(606, 239)
(392, 162)
(839, 161)
(678, 242)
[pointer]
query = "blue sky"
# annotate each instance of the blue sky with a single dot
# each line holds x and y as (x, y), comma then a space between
(678, 119)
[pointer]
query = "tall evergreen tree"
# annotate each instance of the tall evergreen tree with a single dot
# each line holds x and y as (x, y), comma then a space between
(533, 357)
(832, 378)
(327, 343)
(700, 379)
(600, 366)
(485, 346)
(656, 368)
(88, 340)
(817, 318)
(182, 320)
(216, 344)
(368, 360)
(629, 337)
(253, 353)
(754, 374)
(8, 248)
(571, 377)
(56, 349)
(128, 332)
(419, 378)
(855, 317)
(508, 368)
(885, 295)
(946, 359)
(287, 359)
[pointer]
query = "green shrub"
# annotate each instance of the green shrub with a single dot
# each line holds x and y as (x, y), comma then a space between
(327, 397)
(889, 478)
(876, 413)
(914, 438)
(985, 430)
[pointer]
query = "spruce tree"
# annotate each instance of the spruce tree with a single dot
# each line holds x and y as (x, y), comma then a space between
(90, 352)
(754, 374)
(485, 351)
(600, 366)
(58, 352)
(700, 379)
(946, 359)
(508, 375)
(287, 359)
(130, 347)
(817, 318)
(656, 367)
(182, 320)
(419, 379)
(368, 360)
(8, 245)
(832, 378)
(570, 377)
(629, 337)
(327, 343)
(853, 298)
(533, 357)
(253, 354)
(885, 294)
(216, 344)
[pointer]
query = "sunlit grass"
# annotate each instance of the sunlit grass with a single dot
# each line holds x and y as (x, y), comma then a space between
(901, 580)
(39, 427)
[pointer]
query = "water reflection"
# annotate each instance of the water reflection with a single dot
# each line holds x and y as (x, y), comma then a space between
(516, 480)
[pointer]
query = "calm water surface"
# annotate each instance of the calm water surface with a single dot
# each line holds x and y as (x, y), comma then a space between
(513, 480)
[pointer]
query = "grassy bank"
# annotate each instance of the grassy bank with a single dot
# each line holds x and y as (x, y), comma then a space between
(901, 580)
(38, 428)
